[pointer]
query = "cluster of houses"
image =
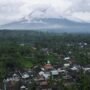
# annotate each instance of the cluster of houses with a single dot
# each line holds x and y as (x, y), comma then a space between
(41, 77)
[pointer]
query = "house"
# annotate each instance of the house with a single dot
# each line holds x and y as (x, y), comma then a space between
(67, 58)
(46, 75)
(48, 66)
(23, 87)
(74, 68)
(25, 75)
(86, 69)
(66, 65)
(61, 70)
(16, 77)
(54, 74)
(11, 84)
(41, 73)
(44, 85)
(67, 78)
(85, 44)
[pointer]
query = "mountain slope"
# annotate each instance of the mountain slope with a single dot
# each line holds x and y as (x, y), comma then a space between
(53, 24)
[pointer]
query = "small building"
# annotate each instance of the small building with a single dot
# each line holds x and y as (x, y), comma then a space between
(67, 58)
(46, 75)
(54, 74)
(44, 85)
(74, 68)
(66, 65)
(23, 87)
(25, 76)
(48, 66)
(87, 69)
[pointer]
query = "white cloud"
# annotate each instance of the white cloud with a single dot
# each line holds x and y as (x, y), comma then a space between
(12, 10)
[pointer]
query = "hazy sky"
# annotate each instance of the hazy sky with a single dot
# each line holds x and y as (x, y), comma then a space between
(13, 10)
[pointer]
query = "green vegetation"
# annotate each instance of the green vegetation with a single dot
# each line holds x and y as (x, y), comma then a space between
(25, 49)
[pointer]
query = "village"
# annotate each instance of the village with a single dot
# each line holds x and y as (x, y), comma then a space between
(45, 61)
(47, 76)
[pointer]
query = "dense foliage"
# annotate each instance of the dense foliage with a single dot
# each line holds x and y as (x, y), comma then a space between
(24, 49)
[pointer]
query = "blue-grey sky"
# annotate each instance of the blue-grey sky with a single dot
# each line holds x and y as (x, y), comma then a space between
(13, 10)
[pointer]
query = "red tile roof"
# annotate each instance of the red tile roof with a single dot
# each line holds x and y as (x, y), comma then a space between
(48, 66)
